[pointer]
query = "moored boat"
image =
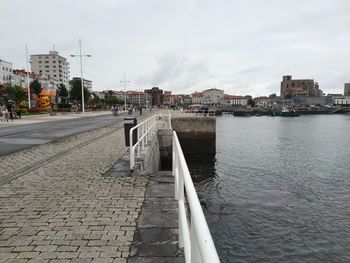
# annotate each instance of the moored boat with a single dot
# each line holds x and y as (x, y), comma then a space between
(285, 112)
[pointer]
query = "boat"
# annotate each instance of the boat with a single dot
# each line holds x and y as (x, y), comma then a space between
(285, 112)
(243, 113)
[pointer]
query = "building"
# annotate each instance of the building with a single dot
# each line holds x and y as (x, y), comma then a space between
(347, 89)
(5, 72)
(51, 65)
(197, 98)
(156, 95)
(299, 87)
(138, 98)
(167, 98)
(262, 102)
(213, 96)
(341, 100)
(235, 101)
(87, 83)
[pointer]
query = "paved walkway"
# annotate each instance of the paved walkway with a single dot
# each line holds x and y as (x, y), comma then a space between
(66, 210)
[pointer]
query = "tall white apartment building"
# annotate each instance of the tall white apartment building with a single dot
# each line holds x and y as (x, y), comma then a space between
(5, 71)
(213, 96)
(51, 65)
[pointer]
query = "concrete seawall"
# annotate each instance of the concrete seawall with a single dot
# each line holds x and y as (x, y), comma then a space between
(197, 135)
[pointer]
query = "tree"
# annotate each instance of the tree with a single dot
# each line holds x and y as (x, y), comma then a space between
(35, 86)
(63, 93)
(251, 102)
(75, 93)
(16, 93)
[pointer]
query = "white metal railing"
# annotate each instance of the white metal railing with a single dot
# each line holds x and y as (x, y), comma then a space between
(145, 131)
(194, 236)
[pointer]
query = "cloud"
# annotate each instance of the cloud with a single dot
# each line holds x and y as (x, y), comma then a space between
(242, 46)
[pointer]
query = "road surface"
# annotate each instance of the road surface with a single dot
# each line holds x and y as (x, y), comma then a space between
(17, 136)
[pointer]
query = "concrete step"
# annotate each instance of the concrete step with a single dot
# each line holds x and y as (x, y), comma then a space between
(156, 239)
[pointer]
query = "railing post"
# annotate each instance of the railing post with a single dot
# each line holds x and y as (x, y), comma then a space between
(131, 149)
(195, 253)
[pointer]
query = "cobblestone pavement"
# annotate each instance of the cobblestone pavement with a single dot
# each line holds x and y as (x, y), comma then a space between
(17, 161)
(67, 211)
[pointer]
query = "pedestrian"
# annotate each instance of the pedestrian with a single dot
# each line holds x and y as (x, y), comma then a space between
(140, 111)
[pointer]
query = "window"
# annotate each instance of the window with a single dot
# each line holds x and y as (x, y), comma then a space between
(54, 61)
(46, 62)
(55, 75)
(47, 70)
(39, 61)
(40, 71)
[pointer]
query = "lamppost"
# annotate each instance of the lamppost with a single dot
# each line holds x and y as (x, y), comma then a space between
(124, 81)
(27, 79)
(81, 74)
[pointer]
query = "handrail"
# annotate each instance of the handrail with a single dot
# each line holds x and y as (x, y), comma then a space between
(196, 238)
(145, 130)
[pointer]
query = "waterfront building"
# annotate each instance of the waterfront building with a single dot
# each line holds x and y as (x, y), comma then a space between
(346, 89)
(299, 87)
(87, 83)
(5, 72)
(52, 65)
(138, 98)
(167, 98)
(262, 102)
(156, 96)
(197, 98)
(308, 101)
(213, 96)
(235, 101)
(341, 100)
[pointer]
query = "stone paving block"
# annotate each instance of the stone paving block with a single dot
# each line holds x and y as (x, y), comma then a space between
(36, 260)
(158, 219)
(157, 235)
(154, 204)
(17, 260)
(28, 255)
(48, 255)
(160, 190)
(67, 248)
(45, 248)
(68, 255)
(156, 259)
(102, 260)
(90, 255)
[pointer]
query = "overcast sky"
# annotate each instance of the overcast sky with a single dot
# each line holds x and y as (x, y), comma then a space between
(241, 46)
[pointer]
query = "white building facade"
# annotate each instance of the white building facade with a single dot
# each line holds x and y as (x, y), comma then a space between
(87, 83)
(213, 96)
(51, 65)
(236, 101)
(5, 72)
(341, 100)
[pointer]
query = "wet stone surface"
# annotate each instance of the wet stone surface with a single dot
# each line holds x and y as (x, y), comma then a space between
(156, 237)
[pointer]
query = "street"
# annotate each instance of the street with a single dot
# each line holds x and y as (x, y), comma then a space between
(16, 136)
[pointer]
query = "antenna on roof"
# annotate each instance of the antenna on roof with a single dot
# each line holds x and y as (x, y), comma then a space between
(54, 47)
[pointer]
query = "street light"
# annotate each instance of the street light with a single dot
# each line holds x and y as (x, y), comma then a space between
(81, 74)
(27, 78)
(124, 81)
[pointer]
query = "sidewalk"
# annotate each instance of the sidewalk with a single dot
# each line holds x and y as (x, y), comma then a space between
(30, 119)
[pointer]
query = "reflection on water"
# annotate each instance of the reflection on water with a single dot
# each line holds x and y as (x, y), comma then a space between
(278, 189)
